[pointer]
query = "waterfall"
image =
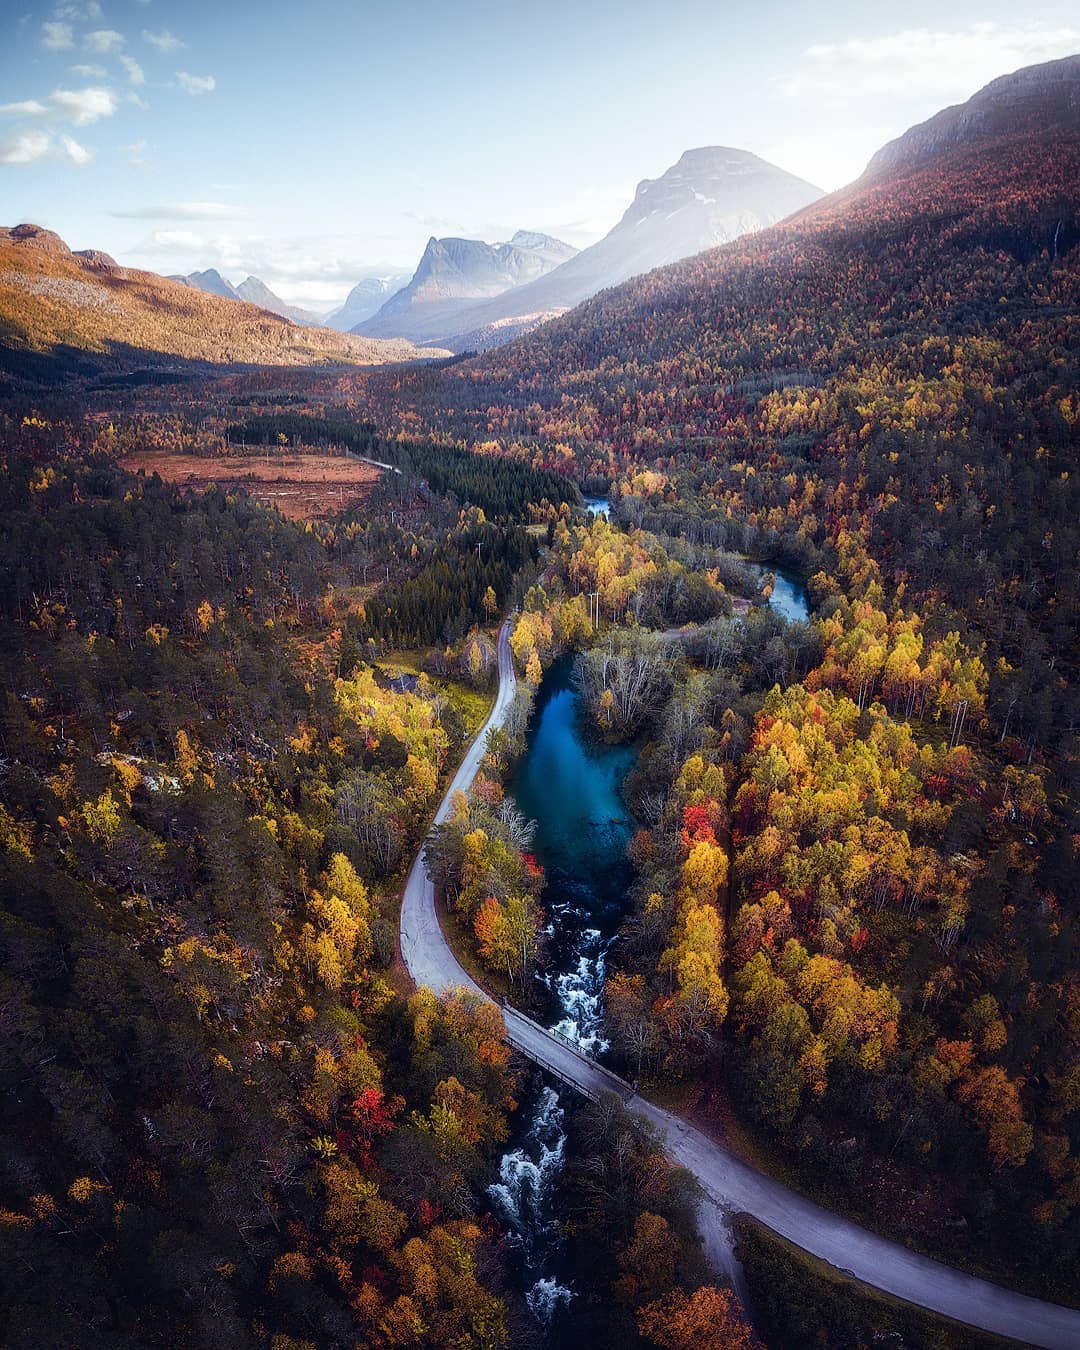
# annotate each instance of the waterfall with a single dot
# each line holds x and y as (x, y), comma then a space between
(580, 991)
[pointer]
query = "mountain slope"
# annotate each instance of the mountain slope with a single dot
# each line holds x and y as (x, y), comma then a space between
(1013, 105)
(86, 313)
(711, 196)
(365, 299)
(454, 272)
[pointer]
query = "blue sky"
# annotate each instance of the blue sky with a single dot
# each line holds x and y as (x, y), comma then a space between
(314, 143)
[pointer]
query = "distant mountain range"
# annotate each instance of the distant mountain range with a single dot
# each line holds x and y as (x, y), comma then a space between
(251, 289)
(711, 196)
(455, 273)
(468, 295)
(366, 298)
(82, 314)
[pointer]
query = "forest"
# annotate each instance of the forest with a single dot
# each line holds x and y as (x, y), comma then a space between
(223, 1113)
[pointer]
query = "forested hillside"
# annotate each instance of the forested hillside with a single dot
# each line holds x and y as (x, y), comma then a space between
(848, 947)
(222, 1121)
(81, 314)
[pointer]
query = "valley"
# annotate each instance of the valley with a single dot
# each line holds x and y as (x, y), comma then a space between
(538, 805)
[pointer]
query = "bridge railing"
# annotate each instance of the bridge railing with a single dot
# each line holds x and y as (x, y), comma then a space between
(616, 1084)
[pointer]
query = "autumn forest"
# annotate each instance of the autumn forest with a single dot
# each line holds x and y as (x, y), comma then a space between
(831, 901)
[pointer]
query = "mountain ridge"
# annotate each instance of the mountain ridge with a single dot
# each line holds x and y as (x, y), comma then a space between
(1041, 99)
(251, 289)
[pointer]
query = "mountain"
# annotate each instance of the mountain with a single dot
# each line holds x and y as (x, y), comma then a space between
(82, 313)
(365, 299)
(1037, 100)
(211, 281)
(256, 292)
(251, 289)
(454, 272)
(711, 196)
(936, 238)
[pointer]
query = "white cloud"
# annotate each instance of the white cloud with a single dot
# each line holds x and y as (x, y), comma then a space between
(919, 62)
(103, 41)
(29, 107)
(83, 106)
(135, 153)
(91, 10)
(88, 72)
(163, 41)
(25, 147)
(313, 271)
(78, 154)
(195, 84)
(175, 241)
(58, 37)
(134, 70)
(183, 210)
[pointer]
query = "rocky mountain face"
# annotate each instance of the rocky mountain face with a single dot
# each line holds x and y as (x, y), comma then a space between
(365, 299)
(1041, 101)
(456, 272)
(710, 197)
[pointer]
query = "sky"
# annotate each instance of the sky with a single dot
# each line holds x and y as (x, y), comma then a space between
(317, 143)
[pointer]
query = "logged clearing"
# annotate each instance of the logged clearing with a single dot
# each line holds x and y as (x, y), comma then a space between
(302, 487)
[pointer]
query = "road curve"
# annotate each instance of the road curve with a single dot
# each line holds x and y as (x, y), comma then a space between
(732, 1185)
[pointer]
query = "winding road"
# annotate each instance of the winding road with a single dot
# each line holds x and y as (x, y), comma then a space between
(730, 1185)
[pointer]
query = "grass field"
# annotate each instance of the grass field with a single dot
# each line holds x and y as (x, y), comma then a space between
(302, 487)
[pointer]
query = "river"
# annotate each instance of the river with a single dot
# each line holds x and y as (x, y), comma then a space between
(570, 784)
(789, 596)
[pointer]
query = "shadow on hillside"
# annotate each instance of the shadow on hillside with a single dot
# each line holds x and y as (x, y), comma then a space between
(121, 365)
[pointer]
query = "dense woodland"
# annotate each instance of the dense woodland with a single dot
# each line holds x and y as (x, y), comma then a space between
(500, 490)
(221, 1118)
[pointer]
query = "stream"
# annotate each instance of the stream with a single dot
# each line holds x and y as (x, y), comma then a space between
(789, 597)
(571, 785)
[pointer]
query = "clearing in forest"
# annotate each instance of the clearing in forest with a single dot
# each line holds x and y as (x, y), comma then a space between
(301, 486)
